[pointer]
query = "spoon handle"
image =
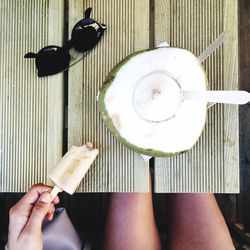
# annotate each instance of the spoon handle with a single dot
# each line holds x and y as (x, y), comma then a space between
(229, 97)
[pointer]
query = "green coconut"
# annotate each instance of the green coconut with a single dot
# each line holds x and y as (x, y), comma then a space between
(142, 104)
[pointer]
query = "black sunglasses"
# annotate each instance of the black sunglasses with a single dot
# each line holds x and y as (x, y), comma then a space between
(84, 37)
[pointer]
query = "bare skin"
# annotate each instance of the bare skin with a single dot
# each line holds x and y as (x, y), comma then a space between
(195, 222)
(130, 223)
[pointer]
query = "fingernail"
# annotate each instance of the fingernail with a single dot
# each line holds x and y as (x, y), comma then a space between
(45, 197)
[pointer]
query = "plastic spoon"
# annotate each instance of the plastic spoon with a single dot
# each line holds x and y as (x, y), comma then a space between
(229, 97)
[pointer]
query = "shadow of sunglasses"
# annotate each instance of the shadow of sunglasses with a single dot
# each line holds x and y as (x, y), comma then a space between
(53, 59)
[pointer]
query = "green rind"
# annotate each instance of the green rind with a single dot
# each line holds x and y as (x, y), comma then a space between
(108, 121)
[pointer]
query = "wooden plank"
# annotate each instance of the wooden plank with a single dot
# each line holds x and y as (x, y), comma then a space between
(75, 114)
(239, 233)
(30, 107)
(228, 206)
(55, 88)
(116, 168)
(244, 67)
(231, 119)
(213, 164)
(7, 200)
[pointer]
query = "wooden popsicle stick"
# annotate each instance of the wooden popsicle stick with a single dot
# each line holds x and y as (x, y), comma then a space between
(54, 192)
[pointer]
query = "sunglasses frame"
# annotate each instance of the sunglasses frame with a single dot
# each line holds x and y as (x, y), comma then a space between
(53, 59)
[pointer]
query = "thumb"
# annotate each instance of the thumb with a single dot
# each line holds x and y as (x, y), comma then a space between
(38, 213)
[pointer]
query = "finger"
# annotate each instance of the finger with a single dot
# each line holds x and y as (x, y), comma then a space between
(31, 196)
(51, 212)
(51, 208)
(38, 213)
(20, 212)
(50, 216)
(56, 200)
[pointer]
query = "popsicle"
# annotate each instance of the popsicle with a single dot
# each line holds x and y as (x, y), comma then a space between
(69, 172)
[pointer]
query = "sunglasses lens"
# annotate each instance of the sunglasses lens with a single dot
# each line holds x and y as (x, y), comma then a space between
(51, 60)
(86, 36)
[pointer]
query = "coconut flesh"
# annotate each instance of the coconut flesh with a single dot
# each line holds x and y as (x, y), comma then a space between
(142, 103)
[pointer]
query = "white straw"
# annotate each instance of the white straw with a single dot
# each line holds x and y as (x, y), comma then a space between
(213, 46)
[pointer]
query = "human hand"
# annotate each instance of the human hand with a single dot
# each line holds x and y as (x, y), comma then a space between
(26, 217)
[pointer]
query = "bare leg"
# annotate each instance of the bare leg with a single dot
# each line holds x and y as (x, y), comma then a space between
(196, 222)
(130, 223)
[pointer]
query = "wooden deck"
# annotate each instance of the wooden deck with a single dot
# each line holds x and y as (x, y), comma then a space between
(41, 118)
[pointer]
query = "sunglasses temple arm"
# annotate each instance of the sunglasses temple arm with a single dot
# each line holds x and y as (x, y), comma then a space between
(87, 12)
(30, 55)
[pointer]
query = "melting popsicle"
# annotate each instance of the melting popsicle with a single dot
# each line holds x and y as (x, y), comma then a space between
(69, 172)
